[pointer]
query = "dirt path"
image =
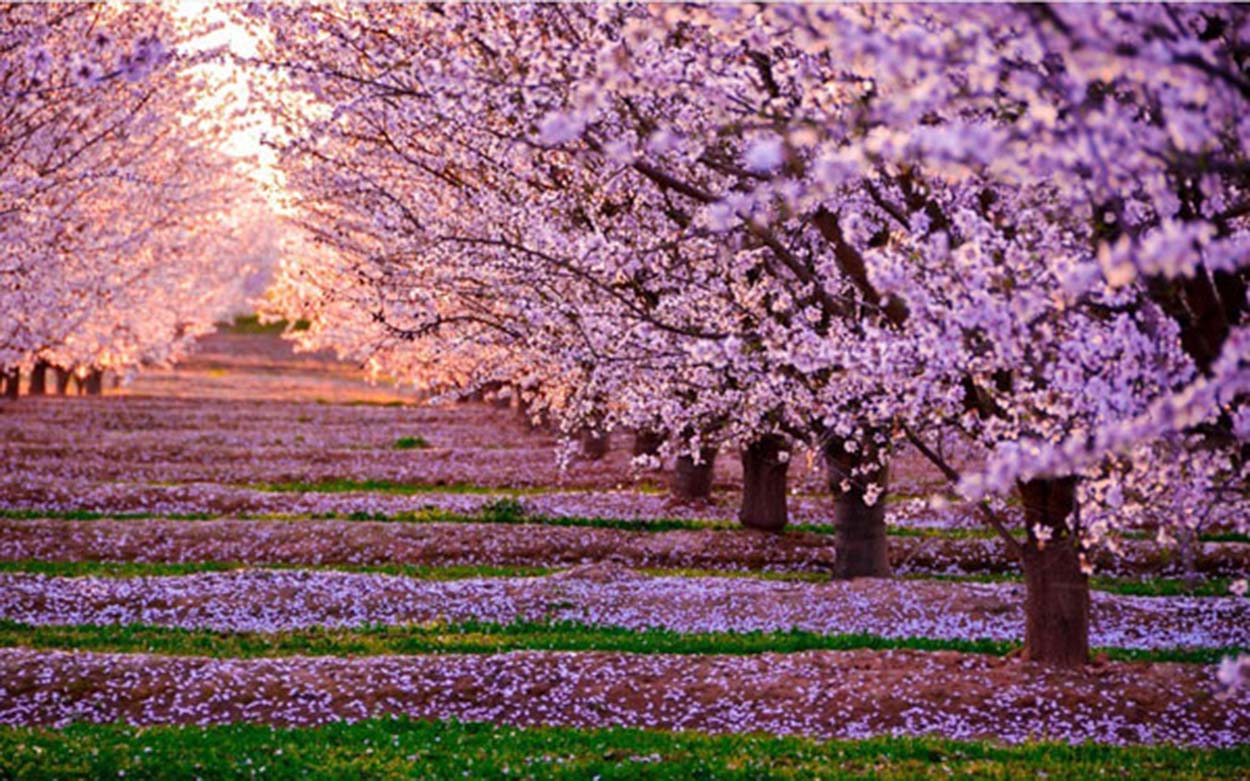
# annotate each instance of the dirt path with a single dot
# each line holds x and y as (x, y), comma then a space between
(244, 408)
(852, 694)
(368, 542)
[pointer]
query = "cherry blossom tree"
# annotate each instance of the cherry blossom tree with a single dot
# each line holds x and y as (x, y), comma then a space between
(115, 222)
(850, 229)
(1054, 198)
(616, 343)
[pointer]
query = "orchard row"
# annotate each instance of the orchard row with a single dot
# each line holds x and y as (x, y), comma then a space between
(761, 231)
(125, 231)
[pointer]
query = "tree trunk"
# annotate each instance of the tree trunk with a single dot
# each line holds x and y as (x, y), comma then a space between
(764, 484)
(94, 383)
(501, 400)
(479, 393)
(693, 482)
(39, 379)
(525, 410)
(647, 443)
(859, 527)
(62, 380)
(1056, 606)
(595, 444)
(12, 383)
(1189, 545)
(540, 422)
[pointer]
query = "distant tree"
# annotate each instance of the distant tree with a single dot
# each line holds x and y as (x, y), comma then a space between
(117, 240)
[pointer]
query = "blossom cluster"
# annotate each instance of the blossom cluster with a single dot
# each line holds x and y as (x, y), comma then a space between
(841, 229)
(123, 227)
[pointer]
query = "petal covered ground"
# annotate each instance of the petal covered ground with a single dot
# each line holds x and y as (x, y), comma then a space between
(275, 600)
(851, 694)
(292, 436)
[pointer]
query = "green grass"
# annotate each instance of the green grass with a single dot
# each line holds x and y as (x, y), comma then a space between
(509, 497)
(973, 533)
(251, 324)
(503, 511)
(1224, 537)
(431, 514)
(390, 488)
(508, 509)
(410, 443)
(1136, 587)
(132, 569)
(423, 515)
(400, 748)
(437, 515)
(480, 637)
(1143, 587)
(92, 515)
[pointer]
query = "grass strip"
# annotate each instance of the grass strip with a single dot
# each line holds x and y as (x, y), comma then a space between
(1133, 587)
(250, 325)
(25, 514)
(1144, 587)
(481, 637)
(504, 511)
(132, 569)
(392, 488)
(509, 511)
(411, 443)
(138, 569)
(401, 748)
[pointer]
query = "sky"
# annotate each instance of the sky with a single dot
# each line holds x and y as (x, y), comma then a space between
(246, 142)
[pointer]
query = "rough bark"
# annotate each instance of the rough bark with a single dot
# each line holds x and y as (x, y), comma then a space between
(1056, 609)
(93, 385)
(500, 400)
(1188, 544)
(525, 409)
(764, 485)
(12, 383)
(693, 481)
(62, 380)
(477, 394)
(39, 379)
(859, 527)
(595, 444)
(540, 422)
(647, 443)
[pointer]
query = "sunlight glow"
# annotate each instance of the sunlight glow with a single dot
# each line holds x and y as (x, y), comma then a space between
(233, 98)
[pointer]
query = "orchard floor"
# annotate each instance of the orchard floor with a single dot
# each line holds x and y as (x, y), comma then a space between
(262, 537)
